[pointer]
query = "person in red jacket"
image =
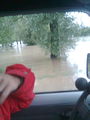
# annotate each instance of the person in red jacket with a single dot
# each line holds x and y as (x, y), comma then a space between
(16, 90)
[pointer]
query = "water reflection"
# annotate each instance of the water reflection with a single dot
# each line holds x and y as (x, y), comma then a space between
(18, 46)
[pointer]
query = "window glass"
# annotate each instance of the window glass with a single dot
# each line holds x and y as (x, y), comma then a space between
(53, 45)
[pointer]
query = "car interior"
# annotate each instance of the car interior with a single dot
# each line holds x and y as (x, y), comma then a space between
(65, 104)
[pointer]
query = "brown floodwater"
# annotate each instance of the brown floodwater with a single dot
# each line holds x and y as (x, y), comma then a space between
(51, 75)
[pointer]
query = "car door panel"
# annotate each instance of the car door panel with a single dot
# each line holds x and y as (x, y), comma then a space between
(49, 106)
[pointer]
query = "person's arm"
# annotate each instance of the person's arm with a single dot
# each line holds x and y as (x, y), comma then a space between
(23, 96)
(16, 90)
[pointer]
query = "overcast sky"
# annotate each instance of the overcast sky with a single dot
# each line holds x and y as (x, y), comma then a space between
(81, 18)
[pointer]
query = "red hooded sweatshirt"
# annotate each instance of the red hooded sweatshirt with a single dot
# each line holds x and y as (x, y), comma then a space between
(22, 98)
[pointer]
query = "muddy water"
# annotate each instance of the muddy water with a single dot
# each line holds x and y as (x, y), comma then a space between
(51, 75)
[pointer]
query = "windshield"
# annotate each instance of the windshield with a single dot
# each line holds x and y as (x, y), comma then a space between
(53, 45)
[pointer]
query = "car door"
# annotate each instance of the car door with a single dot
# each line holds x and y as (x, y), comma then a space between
(50, 106)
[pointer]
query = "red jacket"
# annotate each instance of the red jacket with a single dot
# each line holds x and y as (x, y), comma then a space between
(23, 97)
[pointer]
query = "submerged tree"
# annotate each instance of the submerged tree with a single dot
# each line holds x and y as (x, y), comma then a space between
(5, 31)
(53, 31)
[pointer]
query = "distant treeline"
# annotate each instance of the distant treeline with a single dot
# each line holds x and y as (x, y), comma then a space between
(52, 31)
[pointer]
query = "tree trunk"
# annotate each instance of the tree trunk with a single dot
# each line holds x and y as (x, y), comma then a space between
(20, 42)
(53, 56)
(54, 39)
(17, 42)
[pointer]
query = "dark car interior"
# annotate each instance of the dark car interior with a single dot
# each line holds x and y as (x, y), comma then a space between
(60, 105)
(33, 6)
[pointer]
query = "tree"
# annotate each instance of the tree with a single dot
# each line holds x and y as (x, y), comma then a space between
(53, 31)
(5, 31)
(85, 31)
(22, 30)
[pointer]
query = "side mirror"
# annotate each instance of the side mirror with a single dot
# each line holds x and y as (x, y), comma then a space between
(88, 65)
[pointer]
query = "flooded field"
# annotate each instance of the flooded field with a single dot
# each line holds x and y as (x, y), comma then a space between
(51, 75)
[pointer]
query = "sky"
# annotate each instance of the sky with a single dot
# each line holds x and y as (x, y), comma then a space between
(81, 18)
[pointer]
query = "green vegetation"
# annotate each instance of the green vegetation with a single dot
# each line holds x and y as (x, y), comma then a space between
(84, 31)
(1, 70)
(54, 32)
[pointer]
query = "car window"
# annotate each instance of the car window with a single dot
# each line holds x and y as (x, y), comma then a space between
(53, 45)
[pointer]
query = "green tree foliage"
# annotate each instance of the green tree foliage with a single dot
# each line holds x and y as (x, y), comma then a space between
(5, 31)
(14, 29)
(52, 31)
(85, 31)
